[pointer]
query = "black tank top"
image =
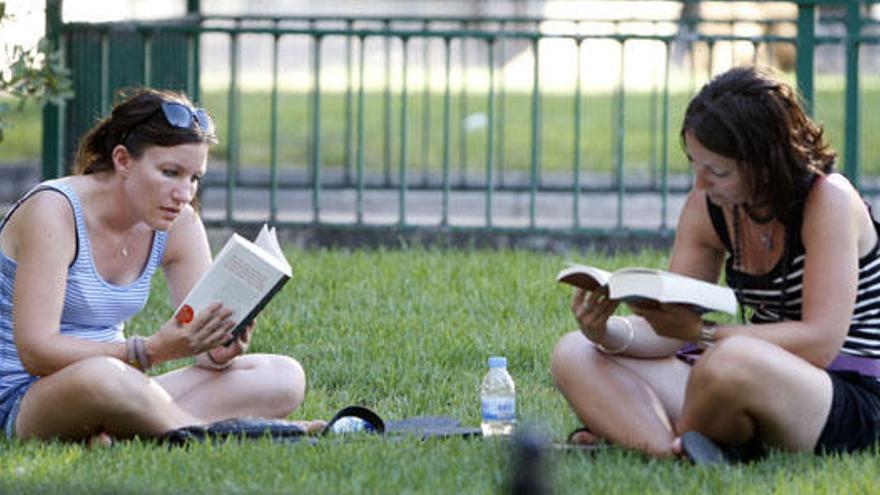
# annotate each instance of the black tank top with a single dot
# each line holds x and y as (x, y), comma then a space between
(763, 293)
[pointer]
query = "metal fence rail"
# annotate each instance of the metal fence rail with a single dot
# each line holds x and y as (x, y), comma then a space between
(404, 187)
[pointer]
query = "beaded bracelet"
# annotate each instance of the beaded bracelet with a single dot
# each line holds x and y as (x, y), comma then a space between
(136, 353)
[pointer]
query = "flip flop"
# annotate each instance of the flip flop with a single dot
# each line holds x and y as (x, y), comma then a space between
(570, 445)
(701, 450)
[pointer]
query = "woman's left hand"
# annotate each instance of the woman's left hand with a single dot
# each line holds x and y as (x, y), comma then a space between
(223, 354)
(675, 321)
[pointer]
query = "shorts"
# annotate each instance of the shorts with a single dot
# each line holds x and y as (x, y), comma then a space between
(854, 420)
(9, 411)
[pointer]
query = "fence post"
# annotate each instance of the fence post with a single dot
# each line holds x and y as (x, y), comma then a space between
(853, 124)
(806, 46)
(53, 114)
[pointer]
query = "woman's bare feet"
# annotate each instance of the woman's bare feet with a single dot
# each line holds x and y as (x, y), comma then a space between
(99, 441)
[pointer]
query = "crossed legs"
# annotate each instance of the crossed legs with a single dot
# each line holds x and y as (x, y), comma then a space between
(105, 395)
(743, 389)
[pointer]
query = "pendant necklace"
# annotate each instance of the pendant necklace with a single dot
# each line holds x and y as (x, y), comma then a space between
(766, 238)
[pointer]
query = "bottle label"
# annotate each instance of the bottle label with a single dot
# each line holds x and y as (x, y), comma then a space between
(499, 409)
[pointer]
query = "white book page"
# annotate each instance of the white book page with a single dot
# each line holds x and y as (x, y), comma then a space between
(268, 240)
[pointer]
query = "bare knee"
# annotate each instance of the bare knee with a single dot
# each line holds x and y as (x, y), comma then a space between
(572, 352)
(110, 384)
(728, 369)
(285, 383)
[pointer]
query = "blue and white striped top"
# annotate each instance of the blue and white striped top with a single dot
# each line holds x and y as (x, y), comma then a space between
(94, 309)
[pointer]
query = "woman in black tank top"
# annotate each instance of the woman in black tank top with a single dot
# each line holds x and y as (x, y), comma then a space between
(799, 371)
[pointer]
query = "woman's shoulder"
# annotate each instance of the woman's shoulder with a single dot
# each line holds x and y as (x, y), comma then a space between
(830, 190)
(186, 229)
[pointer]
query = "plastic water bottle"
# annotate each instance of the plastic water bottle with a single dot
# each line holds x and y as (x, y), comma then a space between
(498, 398)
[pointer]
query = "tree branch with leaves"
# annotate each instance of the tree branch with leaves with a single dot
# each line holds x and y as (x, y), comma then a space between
(34, 74)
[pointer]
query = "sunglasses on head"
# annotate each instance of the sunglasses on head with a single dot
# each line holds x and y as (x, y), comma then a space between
(181, 115)
(178, 115)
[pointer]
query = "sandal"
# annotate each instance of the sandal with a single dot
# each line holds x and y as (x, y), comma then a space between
(594, 444)
(700, 449)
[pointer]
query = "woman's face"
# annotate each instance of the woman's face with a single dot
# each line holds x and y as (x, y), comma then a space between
(718, 175)
(164, 180)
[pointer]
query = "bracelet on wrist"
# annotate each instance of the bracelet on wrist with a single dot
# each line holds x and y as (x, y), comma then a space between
(631, 333)
(706, 337)
(136, 353)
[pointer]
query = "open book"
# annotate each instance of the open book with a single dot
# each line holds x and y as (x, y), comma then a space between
(656, 285)
(245, 275)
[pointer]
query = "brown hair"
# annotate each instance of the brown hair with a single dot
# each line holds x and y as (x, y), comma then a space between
(135, 122)
(746, 115)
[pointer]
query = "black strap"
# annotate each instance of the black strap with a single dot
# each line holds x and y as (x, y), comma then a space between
(716, 214)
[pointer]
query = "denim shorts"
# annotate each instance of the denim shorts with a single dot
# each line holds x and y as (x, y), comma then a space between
(14, 404)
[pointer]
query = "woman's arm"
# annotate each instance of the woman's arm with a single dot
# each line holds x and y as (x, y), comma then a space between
(41, 238)
(697, 252)
(834, 218)
(187, 257)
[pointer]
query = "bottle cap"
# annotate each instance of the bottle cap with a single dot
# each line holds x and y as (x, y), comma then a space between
(497, 362)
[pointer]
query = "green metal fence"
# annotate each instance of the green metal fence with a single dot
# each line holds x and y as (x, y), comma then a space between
(399, 95)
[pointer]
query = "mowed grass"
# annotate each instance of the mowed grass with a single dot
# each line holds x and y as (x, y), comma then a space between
(407, 332)
(642, 147)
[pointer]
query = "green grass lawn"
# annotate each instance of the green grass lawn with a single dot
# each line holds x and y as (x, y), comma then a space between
(513, 146)
(408, 332)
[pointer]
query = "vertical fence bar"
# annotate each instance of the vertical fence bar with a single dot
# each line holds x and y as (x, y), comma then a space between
(619, 130)
(386, 116)
(359, 191)
(105, 73)
(404, 131)
(426, 104)
(349, 117)
(148, 57)
(806, 47)
(53, 113)
(463, 111)
(307, 146)
(710, 46)
(853, 113)
(232, 164)
(447, 104)
(192, 67)
(490, 132)
(664, 142)
(536, 131)
(502, 106)
(273, 145)
(316, 130)
(576, 152)
(653, 133)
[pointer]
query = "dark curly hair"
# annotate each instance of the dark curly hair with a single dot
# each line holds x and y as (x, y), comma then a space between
(746, 115)
(135, 122)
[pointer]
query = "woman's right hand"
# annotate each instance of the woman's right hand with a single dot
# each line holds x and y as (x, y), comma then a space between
(592, 312)
(209, 329)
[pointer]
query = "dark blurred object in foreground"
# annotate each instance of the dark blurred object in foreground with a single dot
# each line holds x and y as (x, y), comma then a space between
(529, 471)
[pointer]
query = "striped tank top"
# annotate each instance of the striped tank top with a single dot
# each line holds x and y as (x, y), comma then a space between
(763, 293)
(94, 309)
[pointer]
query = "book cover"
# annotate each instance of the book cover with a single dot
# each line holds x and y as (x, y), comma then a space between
(244, 277)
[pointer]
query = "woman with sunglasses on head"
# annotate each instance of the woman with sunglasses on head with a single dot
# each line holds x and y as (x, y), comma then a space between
(800, 249)
(76, 258)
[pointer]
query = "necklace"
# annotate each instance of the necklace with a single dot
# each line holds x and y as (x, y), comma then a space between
(766, 238)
